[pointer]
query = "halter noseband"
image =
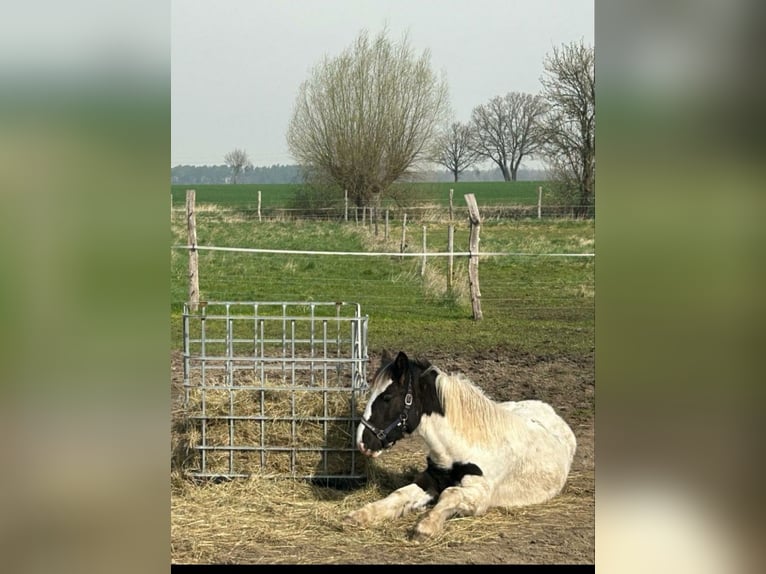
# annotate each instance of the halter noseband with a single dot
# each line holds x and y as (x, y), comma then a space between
(401, 420)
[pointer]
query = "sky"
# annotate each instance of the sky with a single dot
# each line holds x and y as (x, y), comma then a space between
(236, 65)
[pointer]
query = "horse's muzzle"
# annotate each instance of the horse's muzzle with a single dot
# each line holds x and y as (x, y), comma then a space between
(367, 452)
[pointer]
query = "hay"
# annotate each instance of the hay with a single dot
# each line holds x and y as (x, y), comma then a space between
(255, 428)
(270, 521)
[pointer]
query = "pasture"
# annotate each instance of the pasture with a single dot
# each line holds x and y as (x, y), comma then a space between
(283, 195)
(536, 341)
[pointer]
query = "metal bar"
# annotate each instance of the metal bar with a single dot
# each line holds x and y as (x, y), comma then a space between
(263, 399)
(311, 339)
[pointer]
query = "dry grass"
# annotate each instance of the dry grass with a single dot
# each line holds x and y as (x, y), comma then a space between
(281, 421)
(262, 520)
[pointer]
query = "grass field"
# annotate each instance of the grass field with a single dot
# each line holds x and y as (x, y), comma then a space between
(281, 195)
(531, 302)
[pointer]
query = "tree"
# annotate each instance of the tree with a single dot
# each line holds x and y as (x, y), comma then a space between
(238, 162)
(569, 88)
(367, 117)
(508, 129)
(455, 149)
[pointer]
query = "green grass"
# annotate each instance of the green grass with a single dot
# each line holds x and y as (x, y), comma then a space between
(536, 305)
(486, 192)
(245, 196)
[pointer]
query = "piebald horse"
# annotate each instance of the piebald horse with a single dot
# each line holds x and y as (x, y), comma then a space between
(481, 453)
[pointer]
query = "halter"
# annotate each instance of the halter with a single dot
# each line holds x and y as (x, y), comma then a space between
(401, 420)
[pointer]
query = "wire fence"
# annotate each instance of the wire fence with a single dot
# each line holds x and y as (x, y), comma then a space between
(542, 277)
(434, 209)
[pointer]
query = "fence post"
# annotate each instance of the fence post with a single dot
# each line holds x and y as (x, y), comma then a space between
(191, 226)
(423, 267)
(345, 193)
(259, 205)
(403, 244)
(386, 224)
(539, 201)
(451, 192)
(451, 250)
(473, 262)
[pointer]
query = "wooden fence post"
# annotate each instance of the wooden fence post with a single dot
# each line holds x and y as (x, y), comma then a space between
(473, 262)
(345, 193)
(191, 226)
(403, 244)
(386, 237)
(539, 201)
(451, 192)
(423, 266)
(451, 250)
(259, 205)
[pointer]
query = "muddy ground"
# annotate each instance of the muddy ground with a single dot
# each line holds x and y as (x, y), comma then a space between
(558, 532)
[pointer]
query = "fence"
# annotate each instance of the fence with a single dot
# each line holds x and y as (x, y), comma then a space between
(473, 253)
(418, 210)
(275, 388)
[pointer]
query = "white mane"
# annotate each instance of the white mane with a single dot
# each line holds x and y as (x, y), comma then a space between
(469, 411)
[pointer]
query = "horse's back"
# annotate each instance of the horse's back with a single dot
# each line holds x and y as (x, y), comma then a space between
(543, 451)
(540, 414)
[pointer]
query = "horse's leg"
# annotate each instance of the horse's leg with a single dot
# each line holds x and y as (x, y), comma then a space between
(471, 498)
(396, 504)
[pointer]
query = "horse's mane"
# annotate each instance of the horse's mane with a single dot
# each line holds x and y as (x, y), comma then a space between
(469, 411)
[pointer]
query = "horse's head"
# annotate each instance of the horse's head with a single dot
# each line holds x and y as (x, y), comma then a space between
(393, 409)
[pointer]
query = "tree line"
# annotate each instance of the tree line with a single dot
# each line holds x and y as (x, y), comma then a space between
(377, 113)
(279, 174)
(557, 125)
(224, 173)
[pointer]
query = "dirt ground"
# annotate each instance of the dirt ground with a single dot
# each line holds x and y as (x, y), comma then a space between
(561, 531)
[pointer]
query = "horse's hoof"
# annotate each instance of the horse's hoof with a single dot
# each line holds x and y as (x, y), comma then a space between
(418, 535)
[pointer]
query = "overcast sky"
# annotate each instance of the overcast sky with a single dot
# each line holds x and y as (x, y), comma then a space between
(236, 65)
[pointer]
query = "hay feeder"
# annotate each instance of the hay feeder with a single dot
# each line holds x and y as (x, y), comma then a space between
(275, 389)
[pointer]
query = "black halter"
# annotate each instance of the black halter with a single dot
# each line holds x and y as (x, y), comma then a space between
(402, 420)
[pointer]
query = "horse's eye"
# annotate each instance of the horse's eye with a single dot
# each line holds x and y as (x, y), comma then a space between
(386, 398)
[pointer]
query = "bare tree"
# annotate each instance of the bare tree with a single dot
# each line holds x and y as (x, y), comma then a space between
(508, 129)
(569, 87)
(238, 161)
(367, 117)
(455, 149)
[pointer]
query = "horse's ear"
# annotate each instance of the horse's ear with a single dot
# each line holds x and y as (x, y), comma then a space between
(402, 362)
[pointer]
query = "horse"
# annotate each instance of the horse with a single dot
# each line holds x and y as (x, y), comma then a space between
(481, 453)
